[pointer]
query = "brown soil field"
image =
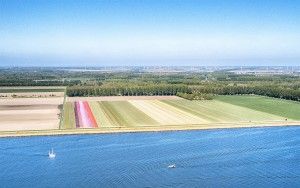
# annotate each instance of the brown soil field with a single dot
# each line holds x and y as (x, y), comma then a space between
(29, 113)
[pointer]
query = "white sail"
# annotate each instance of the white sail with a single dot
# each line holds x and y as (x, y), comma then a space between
(51, 154)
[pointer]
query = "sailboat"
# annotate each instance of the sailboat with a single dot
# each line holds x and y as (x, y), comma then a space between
(51, 154)
(172, 166)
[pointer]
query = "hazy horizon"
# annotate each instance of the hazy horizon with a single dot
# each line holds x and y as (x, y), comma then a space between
(150, 33)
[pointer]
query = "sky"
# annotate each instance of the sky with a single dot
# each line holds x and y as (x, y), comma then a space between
(149, 32)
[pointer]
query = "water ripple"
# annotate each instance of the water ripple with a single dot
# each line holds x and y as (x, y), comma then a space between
(260, 157)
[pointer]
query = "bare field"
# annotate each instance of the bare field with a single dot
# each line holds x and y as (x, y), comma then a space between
(29, 113)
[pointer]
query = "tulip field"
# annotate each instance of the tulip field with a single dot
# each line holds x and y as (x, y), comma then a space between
(144, 113)
(84, 117)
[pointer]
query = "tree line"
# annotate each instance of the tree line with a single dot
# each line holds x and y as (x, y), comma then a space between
(189, 85)
(127, 90)
(264, 90)
(199, 92)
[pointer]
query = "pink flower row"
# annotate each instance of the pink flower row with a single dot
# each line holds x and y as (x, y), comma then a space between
(84, 116)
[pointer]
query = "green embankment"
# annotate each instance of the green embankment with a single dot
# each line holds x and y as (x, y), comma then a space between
(279, 107)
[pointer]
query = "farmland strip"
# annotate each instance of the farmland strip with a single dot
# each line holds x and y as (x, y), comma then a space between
(193, 108)
(77, 115)
(111, 113)
(130, 115)
(91, 117)
(99, 114)
(69, 116)
(186, 117)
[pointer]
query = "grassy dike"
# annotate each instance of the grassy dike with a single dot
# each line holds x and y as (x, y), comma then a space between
(57, 132)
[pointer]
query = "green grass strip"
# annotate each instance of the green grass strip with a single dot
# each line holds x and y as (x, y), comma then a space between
(69, 116)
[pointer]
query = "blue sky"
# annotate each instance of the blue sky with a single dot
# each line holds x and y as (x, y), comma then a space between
(149, 32)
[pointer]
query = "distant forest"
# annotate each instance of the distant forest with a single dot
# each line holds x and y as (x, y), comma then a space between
(190, 85)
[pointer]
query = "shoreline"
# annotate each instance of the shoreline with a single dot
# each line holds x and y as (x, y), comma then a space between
(108, 130)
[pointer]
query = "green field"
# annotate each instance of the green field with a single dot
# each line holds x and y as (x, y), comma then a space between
(218, 111)
(122, 113)
(68, 116)
(223, 109)
(30, 89)
(279, 107)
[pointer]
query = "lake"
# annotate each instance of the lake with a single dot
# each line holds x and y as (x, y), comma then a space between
(246, 157)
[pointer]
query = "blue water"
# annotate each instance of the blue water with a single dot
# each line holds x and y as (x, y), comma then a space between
(251, 157)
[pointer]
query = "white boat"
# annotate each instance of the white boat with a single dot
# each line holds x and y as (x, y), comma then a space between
(51, 154)
(172, 166)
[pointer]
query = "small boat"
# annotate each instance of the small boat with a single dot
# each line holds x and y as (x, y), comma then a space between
(51, 154)
(172, 166)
